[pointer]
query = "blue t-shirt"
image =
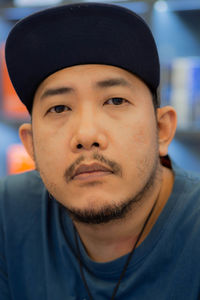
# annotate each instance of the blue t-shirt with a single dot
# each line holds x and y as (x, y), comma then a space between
(38, 254)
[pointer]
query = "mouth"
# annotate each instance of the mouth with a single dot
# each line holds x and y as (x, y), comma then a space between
(93, 175)
(91, 172)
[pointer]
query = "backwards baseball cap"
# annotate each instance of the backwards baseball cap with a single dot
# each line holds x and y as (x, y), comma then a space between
(76, 34)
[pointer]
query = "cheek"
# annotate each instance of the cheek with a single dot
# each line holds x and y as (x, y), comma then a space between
(144, 137)
(50, 149)
(138, 147)
(137, 137)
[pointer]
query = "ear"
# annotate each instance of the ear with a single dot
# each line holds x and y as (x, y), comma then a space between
(167, 121)
(26, 136)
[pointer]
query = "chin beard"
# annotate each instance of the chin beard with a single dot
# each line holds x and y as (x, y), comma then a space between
(105, 214)
(110, 213)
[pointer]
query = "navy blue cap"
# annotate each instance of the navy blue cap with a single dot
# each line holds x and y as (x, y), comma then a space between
(76, 34)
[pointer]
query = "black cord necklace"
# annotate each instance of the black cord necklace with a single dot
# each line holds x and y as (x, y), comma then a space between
(126, 264)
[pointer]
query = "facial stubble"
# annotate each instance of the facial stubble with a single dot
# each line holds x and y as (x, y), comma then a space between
(112, 212)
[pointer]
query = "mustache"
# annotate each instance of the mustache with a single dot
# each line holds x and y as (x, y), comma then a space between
(116, 169)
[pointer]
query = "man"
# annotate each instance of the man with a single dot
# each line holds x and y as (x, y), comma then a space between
(106, 215)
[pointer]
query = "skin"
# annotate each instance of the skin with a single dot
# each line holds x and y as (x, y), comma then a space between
(89, 127)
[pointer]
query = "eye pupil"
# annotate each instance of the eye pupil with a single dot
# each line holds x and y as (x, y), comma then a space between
(59, 108)
(117, 101)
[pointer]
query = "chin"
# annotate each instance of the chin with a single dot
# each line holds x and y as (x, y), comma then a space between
(100, 211)
(93, 203)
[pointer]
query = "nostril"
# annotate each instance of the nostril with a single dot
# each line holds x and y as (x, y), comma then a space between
(96, 144)
(79, 146)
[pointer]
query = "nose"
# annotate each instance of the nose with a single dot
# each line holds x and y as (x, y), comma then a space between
(88, 133)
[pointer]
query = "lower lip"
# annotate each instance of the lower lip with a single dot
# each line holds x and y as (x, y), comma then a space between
(92, 175)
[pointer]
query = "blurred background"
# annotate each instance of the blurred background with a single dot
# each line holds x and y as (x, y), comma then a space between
(176, 28)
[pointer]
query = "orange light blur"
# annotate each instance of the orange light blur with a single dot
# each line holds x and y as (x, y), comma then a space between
(12, 106)
(18, 160)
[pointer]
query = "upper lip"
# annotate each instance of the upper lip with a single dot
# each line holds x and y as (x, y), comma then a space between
(90, 168)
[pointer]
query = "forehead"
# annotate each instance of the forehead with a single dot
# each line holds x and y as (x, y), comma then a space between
(91, 74)
(83, 81)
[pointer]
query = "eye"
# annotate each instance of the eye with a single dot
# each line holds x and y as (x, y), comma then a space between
(116, 101)
(58, 109)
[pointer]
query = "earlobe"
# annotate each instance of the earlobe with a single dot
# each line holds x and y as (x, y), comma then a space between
(26, 136)
(167, 121)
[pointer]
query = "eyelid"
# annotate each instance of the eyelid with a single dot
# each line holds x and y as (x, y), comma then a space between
(54, 106)
(125, 101)
(68, 108)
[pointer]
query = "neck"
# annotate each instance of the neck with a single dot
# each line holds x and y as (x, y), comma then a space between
(110, 241)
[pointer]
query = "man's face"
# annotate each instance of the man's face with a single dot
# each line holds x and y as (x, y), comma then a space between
(95, 114)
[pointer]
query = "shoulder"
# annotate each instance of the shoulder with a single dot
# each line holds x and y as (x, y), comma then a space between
(186, 183)
(23, 202)
(186, 195)
(20, 182)
(27, 183)
(180, 219)
(20, 191)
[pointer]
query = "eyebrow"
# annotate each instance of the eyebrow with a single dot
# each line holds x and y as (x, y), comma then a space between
(56, 91)
(106, 83)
